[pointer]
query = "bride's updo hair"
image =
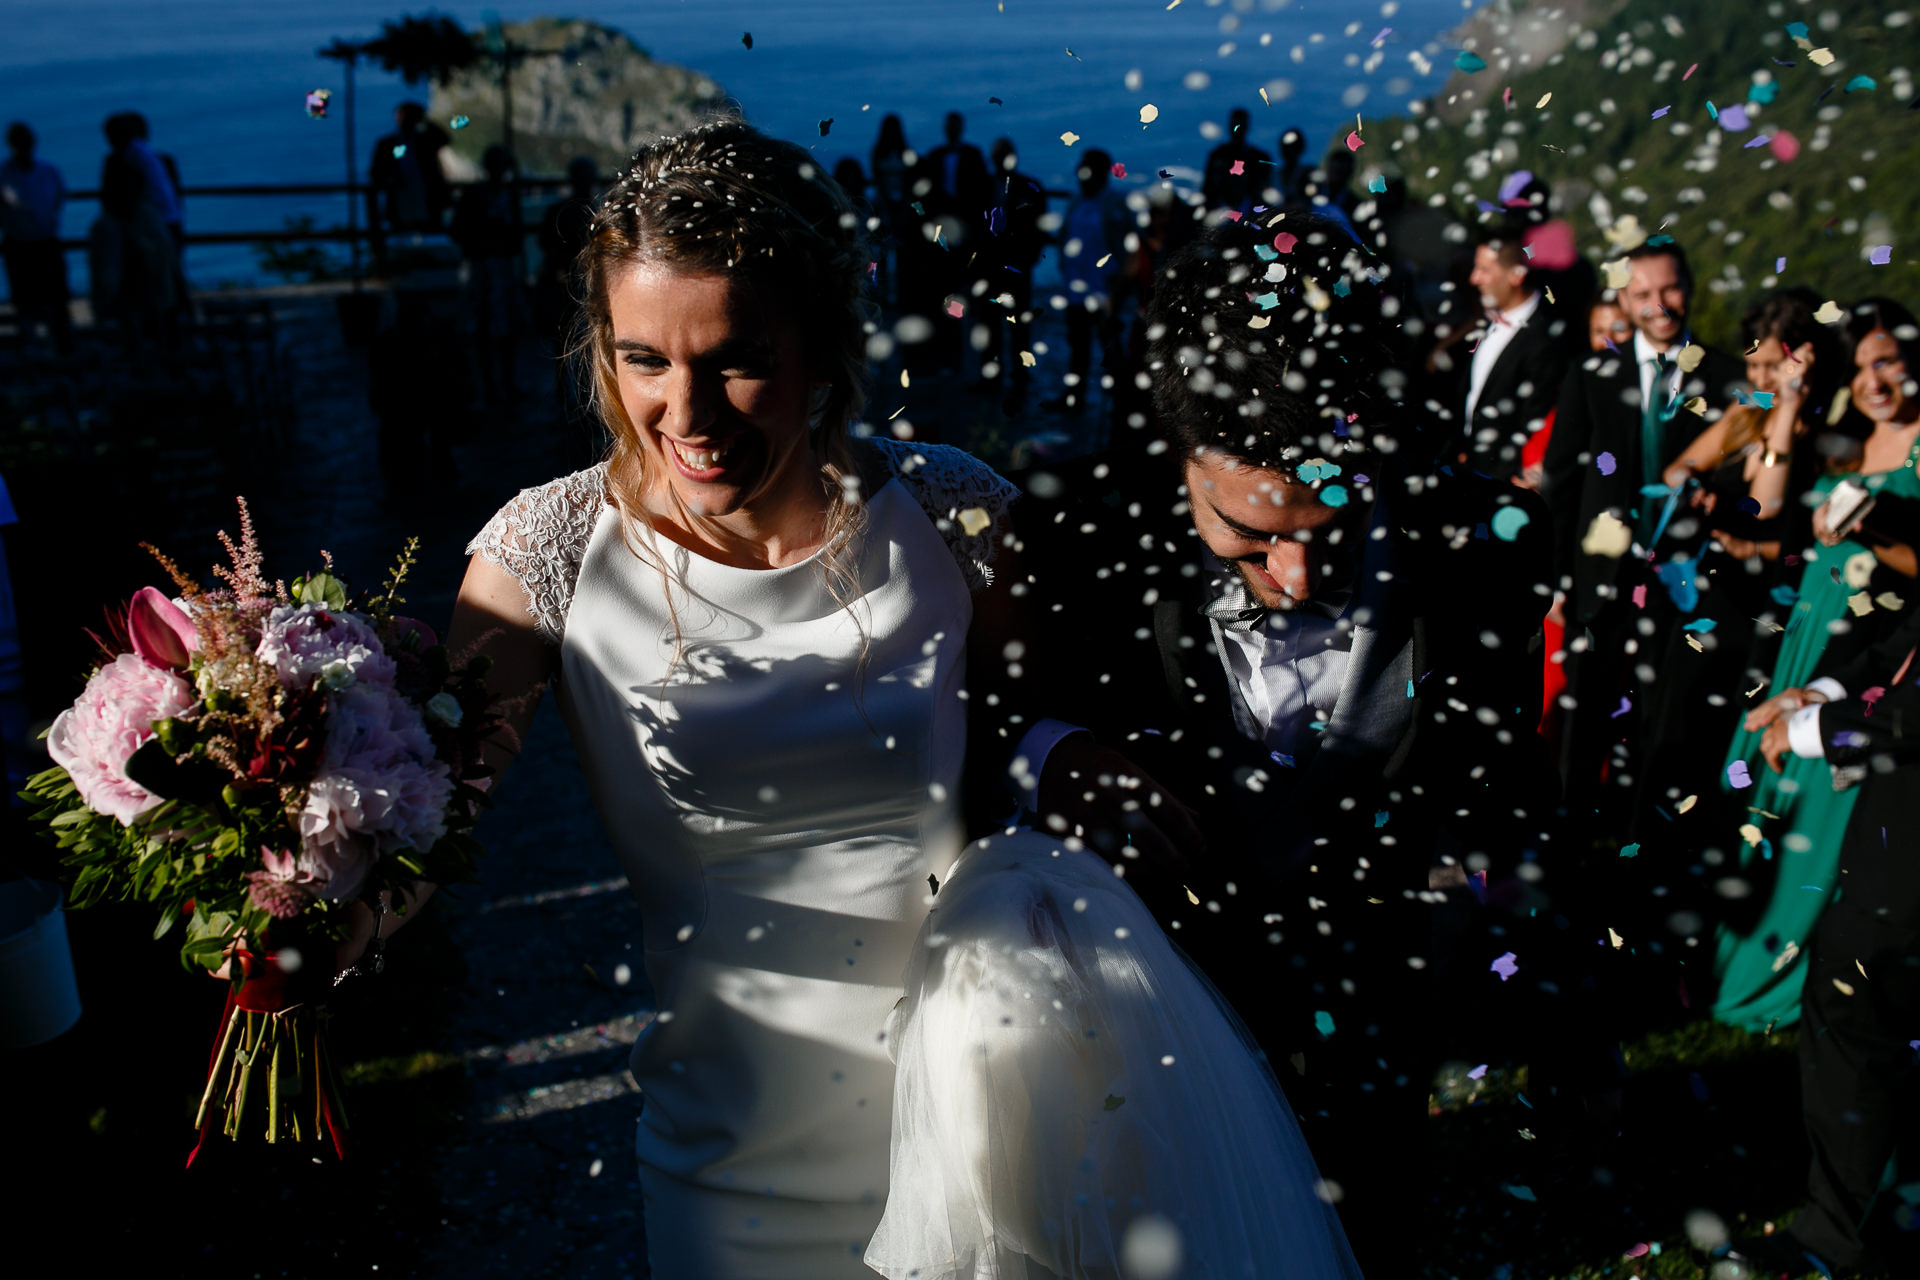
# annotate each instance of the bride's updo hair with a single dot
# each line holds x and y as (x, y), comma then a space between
(725, 199)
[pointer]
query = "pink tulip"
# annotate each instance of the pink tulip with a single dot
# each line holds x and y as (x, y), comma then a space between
(163, 635)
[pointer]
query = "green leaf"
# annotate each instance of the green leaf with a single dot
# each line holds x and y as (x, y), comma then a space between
(168, 918)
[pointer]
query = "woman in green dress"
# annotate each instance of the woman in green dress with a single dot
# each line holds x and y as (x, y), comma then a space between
(1790, 814)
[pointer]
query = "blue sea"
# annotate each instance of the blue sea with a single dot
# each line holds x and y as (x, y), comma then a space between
(223, 82)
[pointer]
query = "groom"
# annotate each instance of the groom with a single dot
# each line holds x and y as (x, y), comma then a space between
(1303, 721)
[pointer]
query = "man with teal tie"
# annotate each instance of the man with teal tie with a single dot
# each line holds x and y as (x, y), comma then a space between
(1622, 417)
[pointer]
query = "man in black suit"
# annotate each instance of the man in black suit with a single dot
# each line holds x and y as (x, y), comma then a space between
(1860, 1011)
(1518, 363)
(1237, 171)
(1622, 418)
(1304, 715)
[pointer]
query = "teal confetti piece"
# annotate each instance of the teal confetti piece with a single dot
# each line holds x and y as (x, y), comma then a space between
(460, 122)
(1323, 1022)
(1334, 495)
(1798, 30)
(1378, 182)
(1265, 253)
(1762, 94)
(1712, 110)
(1859, 83)
(1508, 522)
(1341, 288)
(1470, 62)
(1701, 624)
(1519, 1192)
(1266, 301)
(1630, 850)
(1409, 688)
(1380, 818)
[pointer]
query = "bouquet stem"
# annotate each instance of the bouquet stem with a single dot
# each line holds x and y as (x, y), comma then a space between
(280, 1046)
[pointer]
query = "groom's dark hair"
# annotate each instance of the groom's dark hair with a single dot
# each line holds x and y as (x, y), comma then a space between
(1274, 372)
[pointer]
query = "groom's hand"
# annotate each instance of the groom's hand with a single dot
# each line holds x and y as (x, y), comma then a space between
(1095, 793)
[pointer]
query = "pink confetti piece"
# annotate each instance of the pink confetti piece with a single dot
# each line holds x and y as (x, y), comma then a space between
(1638, 1251)
(1640, 596)
(1506, 97)
(1506, 966)
(1285, 241)
(955, 309)
(1690, 70)
(1119, 170)
(1233, 215)
(1355, 141)
(1738, 776)
(1880, 255)
(1785, 146)
(1239, 167)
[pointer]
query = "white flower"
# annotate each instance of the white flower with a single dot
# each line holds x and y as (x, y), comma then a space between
(445, 708)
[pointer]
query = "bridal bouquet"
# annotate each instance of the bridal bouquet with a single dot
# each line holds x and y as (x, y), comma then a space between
(252, 760)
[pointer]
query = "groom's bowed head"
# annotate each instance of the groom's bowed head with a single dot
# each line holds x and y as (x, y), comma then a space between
(1273, 384)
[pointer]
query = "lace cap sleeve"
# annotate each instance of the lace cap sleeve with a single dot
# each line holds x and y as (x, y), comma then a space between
(540, 538)
(965, 498)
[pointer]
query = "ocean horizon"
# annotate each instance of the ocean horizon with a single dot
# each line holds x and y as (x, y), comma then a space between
(223, 82)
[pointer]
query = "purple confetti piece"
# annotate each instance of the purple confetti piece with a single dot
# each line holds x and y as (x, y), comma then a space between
(1515, 183)
(1626, 705)
(1662, 111)
(1384, 33)
(1881, 255)
(1779, 265)
(1738, 776)
(1757, 140)
(1506, 966)
(1734, 119)
(1478, 1073)
(1607, 464)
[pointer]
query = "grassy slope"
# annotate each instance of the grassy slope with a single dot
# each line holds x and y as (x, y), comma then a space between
(1747, 209)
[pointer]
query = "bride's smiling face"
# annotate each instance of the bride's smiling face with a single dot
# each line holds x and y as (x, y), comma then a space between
(714, 381)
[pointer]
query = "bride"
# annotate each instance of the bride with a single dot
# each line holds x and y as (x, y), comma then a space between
(878, 1048)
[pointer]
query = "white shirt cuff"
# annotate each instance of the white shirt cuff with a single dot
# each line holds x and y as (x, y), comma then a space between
(1829, 688)
(1803, 733)
(1030, 757)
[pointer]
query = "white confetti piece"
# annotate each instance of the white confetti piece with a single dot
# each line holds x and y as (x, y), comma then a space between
(1545, 98)
(1149, 113)
(1069, 137)
(1829, 312)
(974, 519)
(1607, 536)
(1690, 357)
(1821, 58)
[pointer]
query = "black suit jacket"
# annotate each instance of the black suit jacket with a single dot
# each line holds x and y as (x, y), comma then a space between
(1599, 412)
(1431, 749)
(1521, 389)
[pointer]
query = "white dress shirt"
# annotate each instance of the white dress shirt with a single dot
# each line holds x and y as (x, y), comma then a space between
(1501, 327)
(1288, 670)
(1803, 729)
(1644, 356)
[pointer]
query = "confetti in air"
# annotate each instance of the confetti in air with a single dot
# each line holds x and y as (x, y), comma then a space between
(317, 103)
(460, 122)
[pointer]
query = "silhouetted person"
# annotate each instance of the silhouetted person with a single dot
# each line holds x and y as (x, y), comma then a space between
(952, 188)
(130, 251)
(406, 189)
(1092, 240)
(1236, 171)
(1330, 189)
(1291, 179)
(891, 166)
(486, 226)
(31, 195)
(1014, 243)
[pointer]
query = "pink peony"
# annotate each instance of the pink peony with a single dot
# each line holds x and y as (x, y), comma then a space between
(162, 633)
(308, 644)
(113, 718)
(380, 789)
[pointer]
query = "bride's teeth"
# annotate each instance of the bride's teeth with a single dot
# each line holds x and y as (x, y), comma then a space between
(700, 459)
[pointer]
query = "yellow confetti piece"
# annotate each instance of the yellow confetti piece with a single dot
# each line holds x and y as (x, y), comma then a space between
(1862, 968)
(1258, 322)
(1787, 956)
(1820, 58)
(1173, 6)
(1619, 271)
(1687, 804)
(1750, 833)
(1607, 536)
(1890, 602)
(1829, 312)
(1263, 96)
(1693, 642)
(1192, 897)
(1550, 301)
(1690, 357)
(1149, 113)
(1843, 988)
(1545, 98)
(1697, 406)
(904, 380)
(1027, 359)
(1069, 137)
(1859, 569)
(1104, 261)
(973, 520)
(1861, 603)
(1617, 941)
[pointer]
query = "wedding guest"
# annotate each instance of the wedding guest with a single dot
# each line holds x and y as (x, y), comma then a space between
(1841, 608)
(32, 194)
(1289, 186)
(163, 175)
(954, 189)
(1093, 236)
(1236, 170)
(1014, 245)
(406, 188)
(1608, 328)
(486, 226)
(1518, 362)
(1271, 696)
(130, 251)
(891, 165)
(1620, 419)
(1861, 1001)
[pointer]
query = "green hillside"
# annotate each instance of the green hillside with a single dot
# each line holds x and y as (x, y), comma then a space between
(1854, 184)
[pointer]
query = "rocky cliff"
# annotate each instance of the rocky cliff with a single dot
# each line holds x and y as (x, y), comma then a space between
(581, 89)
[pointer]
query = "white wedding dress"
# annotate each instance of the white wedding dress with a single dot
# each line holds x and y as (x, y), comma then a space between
(782, 787)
